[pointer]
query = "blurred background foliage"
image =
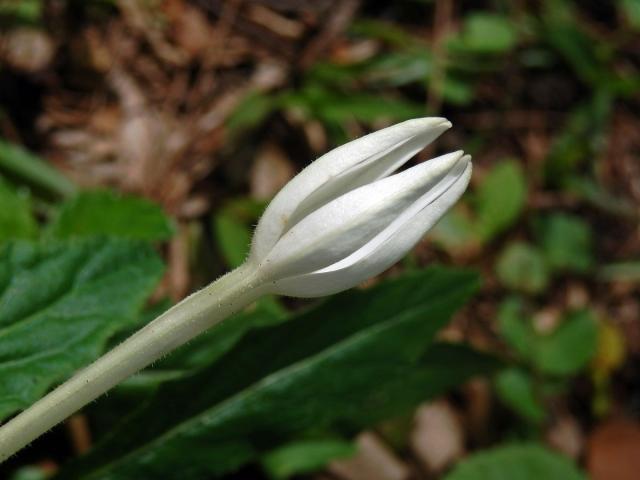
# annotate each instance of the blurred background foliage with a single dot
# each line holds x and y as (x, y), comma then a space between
(140, 142)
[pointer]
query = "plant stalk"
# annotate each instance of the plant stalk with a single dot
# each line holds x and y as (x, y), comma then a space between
(176, 326)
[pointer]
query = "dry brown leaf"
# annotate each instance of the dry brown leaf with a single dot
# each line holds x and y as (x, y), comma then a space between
(374, 461)
(613, 451)
(191, 30)
(478, 402)
(565, 435)
(27, 49)
(438, 438)
(275, 22)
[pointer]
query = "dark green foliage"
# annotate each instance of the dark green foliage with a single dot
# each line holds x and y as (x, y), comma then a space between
(16, 218)
(547, 358)
(60, 303)
(516, 388)
(522, 267)
(522, 462)
(563, 351)
(538, 94)
(501, 199)
(305, 456)
(567, 242)
(108, 213)
(232, 229)
(499, 202)
(349, 363)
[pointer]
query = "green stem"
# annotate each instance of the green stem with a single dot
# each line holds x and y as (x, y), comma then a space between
(31, 169)
(178, 325)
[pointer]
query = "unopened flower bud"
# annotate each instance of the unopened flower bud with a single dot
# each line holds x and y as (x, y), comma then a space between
(346, 218)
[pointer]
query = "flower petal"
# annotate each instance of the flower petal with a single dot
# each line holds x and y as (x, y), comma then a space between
(347, 223)
(386, 248)
(341, 170)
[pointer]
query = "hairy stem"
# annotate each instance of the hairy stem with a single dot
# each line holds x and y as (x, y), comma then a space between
(178, 325)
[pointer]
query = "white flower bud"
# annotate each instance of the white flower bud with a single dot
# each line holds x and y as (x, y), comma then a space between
(344, 218)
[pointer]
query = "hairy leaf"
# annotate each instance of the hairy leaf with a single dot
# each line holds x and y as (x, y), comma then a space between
(59, 304)
(109, 213)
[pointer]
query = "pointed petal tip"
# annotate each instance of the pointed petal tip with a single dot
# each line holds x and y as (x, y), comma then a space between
(463, 164)
(443, 122)
(447, 161)
(455, 158)
(427, 123)
(468, 165)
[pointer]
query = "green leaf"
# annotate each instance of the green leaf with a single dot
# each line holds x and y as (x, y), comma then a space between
(400, 68)
(339, 75)
(305, 457)
(563, 351)
(595, 194)
(522, 267)
(16, 220)
(631, 12)
(208, 347)
(234, 239)
(231, 228)
(30, 473)
(200, 352)
(335, 109)
(59, 304)
(112, 214)
(385, 31)
(521, 462)
(395, 68)
(566, 241)
(366, 108)
(515, 328)
(569, 347)
(487, 33)
(345, 364)
(580, 140)
(591, 57)
(457, 91)
(515, 388)
(252, 110)
(33, 170)
(621, 271)
(21, 11)
(588, 57)
(501, 199)
(455, 231)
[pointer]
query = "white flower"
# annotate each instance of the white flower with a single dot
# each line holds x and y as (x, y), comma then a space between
(342, 220)
(345, 218)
